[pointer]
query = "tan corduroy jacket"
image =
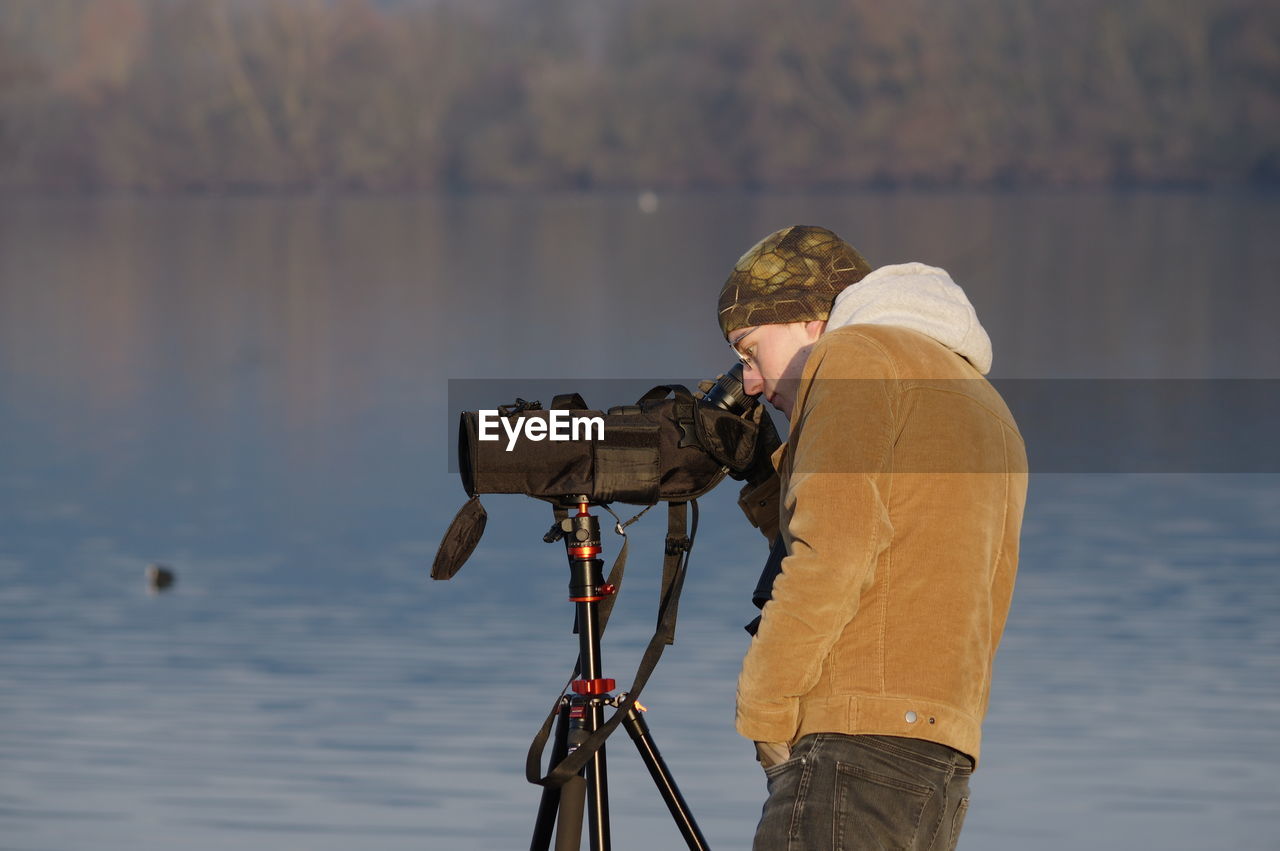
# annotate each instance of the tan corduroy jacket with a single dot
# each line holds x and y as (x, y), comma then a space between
(903, 484)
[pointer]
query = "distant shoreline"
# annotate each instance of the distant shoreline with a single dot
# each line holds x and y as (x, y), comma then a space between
(1262, 190)
(285, 98)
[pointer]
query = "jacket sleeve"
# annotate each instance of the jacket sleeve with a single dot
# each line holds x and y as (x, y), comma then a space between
(760, 504)
(835, 497)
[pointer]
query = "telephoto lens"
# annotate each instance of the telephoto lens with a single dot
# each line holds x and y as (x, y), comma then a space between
(728, 394)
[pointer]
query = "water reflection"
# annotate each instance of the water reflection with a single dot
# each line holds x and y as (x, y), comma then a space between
(251, 391)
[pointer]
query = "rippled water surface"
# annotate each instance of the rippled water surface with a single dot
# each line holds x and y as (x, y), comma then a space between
(251, 392)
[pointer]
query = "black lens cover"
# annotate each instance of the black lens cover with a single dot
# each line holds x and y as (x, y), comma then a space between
(460, 539)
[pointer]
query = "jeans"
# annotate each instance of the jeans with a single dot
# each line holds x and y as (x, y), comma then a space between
(849, 793)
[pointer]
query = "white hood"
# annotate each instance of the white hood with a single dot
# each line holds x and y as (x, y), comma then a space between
(921, 298)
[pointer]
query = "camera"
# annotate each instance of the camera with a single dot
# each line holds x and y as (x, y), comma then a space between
(669, 446)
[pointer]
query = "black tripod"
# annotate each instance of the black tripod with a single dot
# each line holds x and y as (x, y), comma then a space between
(582, 713)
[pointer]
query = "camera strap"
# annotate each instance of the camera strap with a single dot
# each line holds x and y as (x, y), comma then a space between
(674, 569)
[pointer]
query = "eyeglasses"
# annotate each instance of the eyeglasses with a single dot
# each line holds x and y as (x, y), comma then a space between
(748, 358)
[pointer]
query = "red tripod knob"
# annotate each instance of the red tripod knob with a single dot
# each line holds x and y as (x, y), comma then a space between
(602, 686)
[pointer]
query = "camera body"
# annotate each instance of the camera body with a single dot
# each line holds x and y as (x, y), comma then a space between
(668, 446)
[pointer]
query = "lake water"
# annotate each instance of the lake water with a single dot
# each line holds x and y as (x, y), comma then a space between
(254, 392)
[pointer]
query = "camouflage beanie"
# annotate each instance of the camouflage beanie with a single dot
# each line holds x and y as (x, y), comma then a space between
(792, 275)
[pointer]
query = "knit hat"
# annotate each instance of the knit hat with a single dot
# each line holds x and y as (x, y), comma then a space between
(791, 275)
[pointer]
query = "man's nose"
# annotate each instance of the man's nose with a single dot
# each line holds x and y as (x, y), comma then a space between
(752, 381)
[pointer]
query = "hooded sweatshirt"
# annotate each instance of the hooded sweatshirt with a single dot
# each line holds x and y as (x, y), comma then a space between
(902, 488)
(922, 298)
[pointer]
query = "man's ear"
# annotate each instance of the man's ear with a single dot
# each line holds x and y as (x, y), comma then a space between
(813, 329)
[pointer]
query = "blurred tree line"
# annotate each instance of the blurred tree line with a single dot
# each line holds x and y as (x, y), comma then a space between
(315, 95)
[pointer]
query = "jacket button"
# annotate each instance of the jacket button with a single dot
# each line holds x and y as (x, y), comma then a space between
(911, 717)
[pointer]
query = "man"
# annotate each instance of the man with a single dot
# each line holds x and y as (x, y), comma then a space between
(898, 502)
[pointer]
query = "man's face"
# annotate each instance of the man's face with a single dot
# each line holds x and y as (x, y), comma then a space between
(773, 359)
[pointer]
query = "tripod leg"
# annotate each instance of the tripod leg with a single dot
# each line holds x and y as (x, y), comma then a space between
(589, 791)
(638, 729)
(598, 786)
(573, 799)
(566, 806)
(551, 795)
